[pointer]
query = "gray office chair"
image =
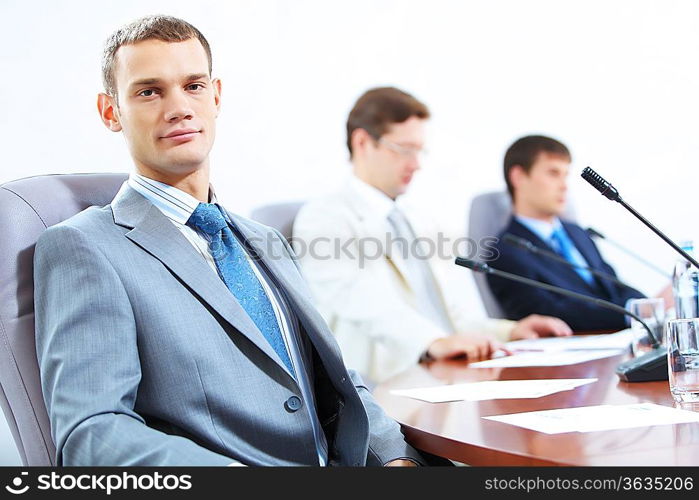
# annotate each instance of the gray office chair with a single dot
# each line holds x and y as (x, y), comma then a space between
(488, 216)
(27, 207)
(280, 216)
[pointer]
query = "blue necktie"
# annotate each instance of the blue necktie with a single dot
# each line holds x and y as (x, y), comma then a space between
(564, 246)
(236, 272)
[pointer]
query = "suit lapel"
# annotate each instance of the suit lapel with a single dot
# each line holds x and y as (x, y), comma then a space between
(153, 232)
(399, 266)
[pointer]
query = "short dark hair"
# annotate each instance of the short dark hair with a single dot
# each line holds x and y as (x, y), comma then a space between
(379, 108)
(165, 28)
(525, 151)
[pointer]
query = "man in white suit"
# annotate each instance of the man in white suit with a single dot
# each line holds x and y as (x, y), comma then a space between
(361, 252)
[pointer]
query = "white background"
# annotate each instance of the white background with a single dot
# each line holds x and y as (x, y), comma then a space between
(615, 80)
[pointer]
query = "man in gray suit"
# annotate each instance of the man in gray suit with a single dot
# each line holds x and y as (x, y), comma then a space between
(172, 332)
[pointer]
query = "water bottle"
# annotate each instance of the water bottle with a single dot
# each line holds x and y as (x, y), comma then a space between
(685, 285)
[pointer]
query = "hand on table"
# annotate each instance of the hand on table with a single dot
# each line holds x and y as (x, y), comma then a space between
(535, 325)
(475, 348)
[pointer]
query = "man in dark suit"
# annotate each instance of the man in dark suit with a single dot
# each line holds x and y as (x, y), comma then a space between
(536, 169)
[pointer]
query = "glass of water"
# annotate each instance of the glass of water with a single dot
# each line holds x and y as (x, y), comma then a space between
(652, 312)
(683, 359)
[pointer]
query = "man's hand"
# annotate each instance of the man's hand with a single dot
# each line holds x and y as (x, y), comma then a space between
(535, 325)
(475, 348)
(400, 463)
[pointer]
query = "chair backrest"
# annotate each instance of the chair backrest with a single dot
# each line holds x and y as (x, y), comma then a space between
(27, 208)
(280, 216)
(488, 216)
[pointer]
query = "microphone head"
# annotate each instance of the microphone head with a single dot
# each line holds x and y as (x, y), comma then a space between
(473, 265)
(600, 184)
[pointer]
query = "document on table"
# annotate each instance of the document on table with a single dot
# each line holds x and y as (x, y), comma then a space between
(545, 358)
(598, 418)
(619, 340)
(493, 389)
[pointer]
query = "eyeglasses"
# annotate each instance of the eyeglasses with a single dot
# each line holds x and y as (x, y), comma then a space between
(407, 151)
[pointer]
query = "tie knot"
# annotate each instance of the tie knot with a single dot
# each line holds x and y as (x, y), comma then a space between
(208, 218)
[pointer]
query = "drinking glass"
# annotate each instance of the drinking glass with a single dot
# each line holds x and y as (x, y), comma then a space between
(652, 312)
(683, 359)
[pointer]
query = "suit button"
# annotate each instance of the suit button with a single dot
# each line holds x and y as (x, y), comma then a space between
(292, 404)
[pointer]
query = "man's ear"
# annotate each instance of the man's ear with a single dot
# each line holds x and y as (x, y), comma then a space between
(108, 110)
(359, 139)
(216, 82)
(516, 175)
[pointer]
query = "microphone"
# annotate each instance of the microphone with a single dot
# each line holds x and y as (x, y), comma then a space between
(531, 247)
(610, 192)
(593, 233)
(648, 367)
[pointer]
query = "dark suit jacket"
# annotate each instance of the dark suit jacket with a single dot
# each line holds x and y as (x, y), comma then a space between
(519, 300)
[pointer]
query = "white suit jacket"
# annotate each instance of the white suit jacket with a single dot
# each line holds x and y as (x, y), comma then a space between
(365, 295)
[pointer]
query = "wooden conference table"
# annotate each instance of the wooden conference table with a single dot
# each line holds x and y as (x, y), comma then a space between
(456, 430)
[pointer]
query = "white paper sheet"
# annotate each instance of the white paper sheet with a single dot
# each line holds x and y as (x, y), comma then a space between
(494, 389)
(619, 340)
(598, 418)
(545, 358)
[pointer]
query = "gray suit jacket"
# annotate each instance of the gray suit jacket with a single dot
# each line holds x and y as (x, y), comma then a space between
(146, 358)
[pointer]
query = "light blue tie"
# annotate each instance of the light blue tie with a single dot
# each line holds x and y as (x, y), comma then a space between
(235, 271)
(563, 245)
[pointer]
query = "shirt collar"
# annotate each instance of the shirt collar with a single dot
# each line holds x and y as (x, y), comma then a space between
(376, 200)
(174, 203)
(542, 229)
